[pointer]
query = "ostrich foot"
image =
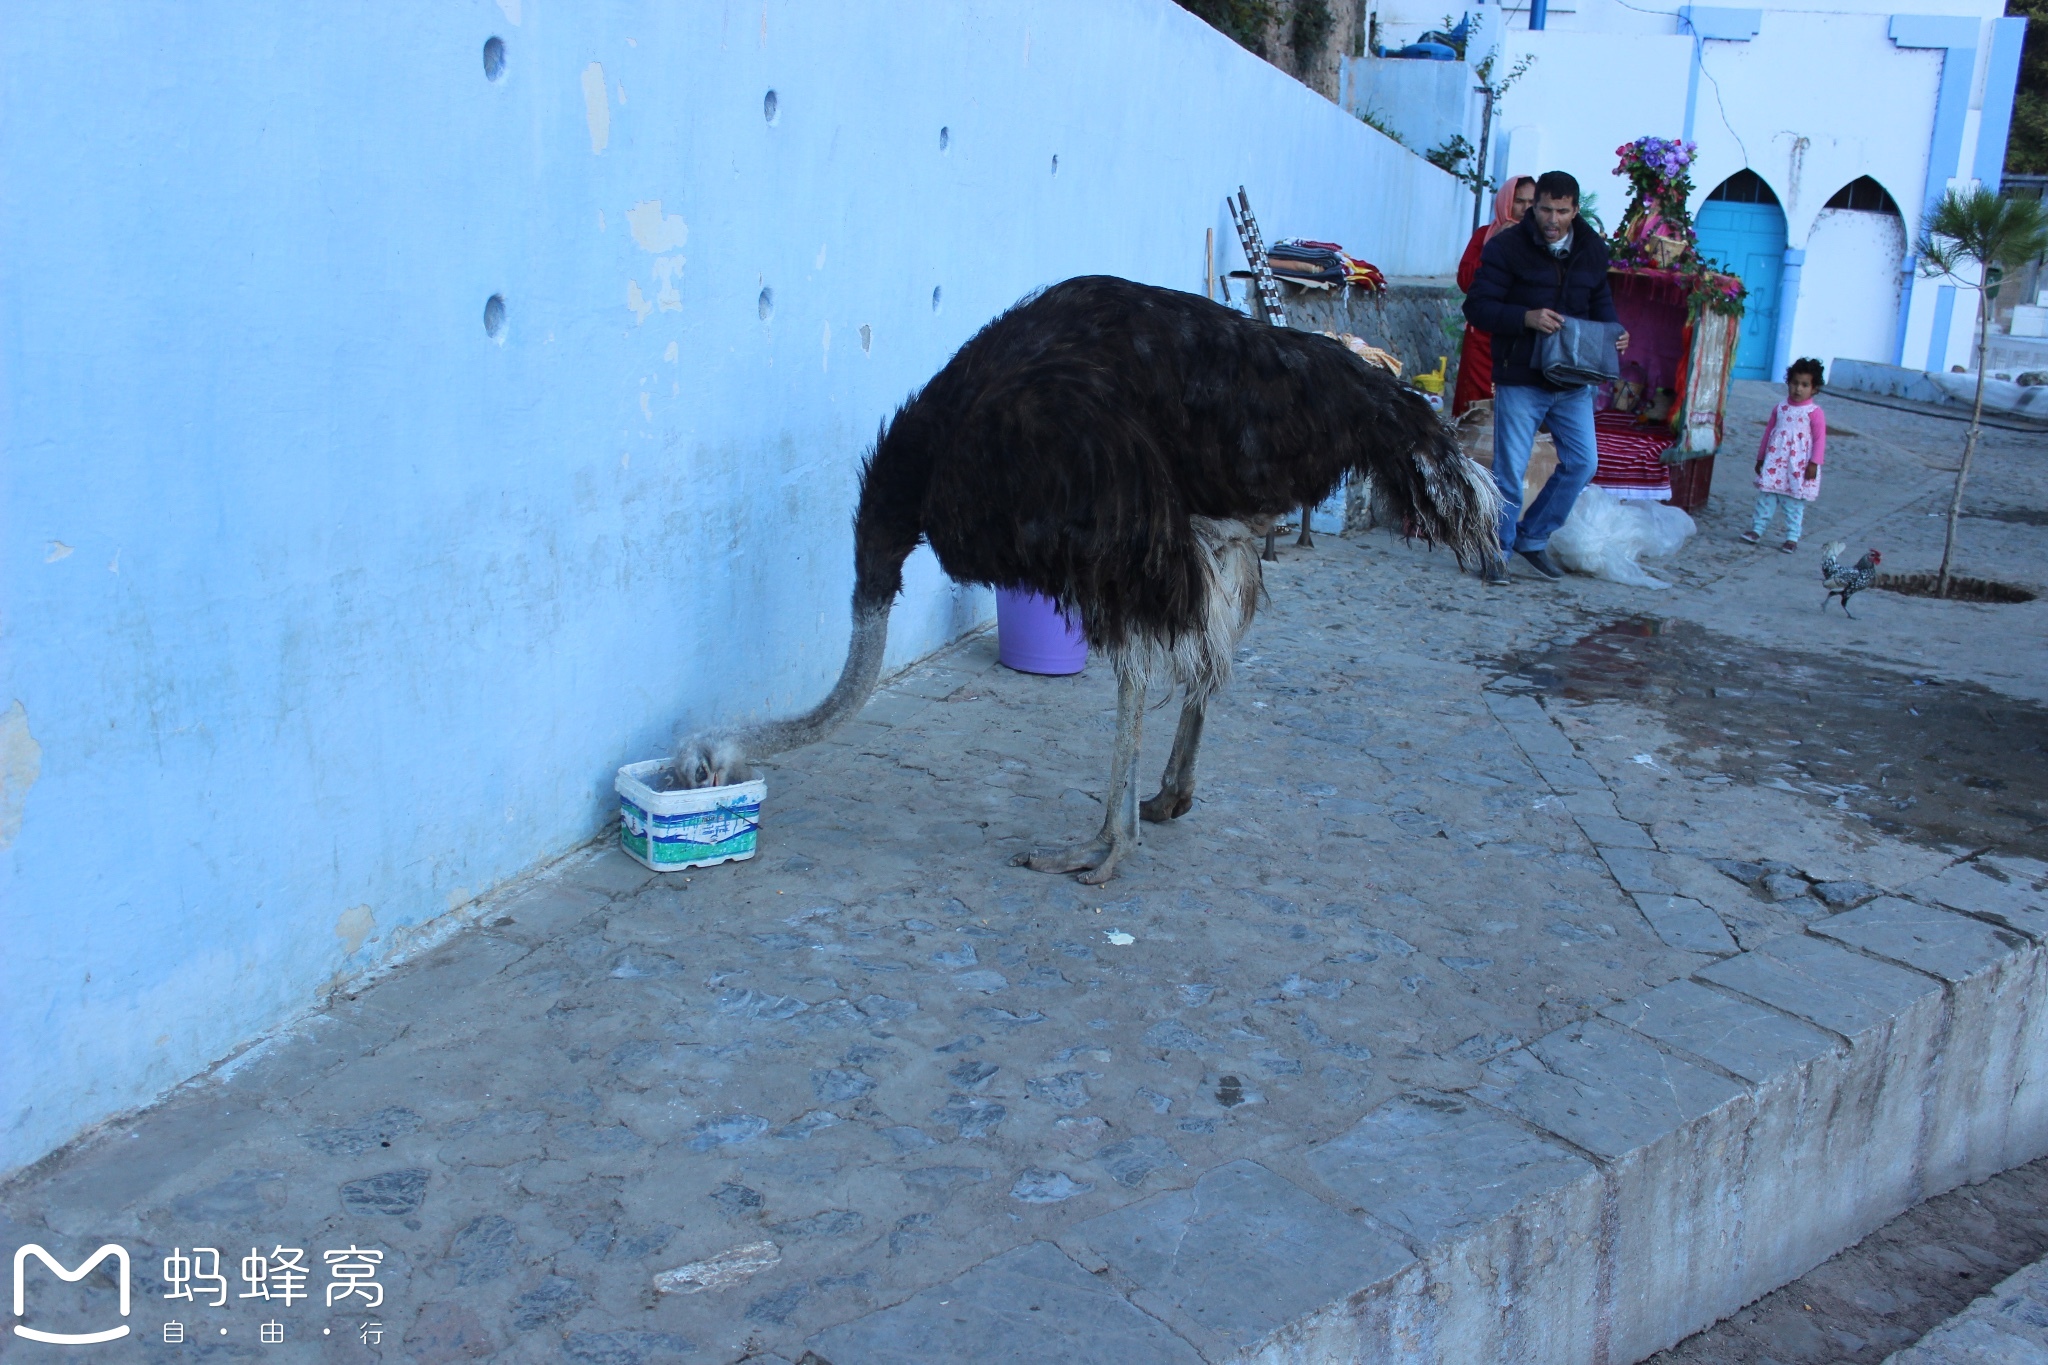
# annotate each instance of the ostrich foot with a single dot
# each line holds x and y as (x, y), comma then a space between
(1168, 805)
(1080, 857)
(1106, 869)
(1177, 784)
(1095, 860)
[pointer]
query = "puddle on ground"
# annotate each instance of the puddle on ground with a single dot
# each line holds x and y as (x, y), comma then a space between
(1937, 763)
(2014, 516)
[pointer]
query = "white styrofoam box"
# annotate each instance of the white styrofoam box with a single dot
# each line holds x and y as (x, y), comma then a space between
(670, 831)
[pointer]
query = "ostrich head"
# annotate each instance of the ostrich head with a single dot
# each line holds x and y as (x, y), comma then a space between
(706, 760)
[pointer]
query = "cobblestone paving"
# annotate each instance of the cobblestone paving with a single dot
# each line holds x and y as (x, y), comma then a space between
(890, 1056)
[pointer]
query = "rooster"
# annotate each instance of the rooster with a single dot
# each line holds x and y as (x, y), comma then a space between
(1846, 583)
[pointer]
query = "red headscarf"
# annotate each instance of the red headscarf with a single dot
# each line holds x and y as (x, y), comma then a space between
(1504, 206)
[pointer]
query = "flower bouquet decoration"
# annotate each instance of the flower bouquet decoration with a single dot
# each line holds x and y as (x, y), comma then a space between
(1657, 231)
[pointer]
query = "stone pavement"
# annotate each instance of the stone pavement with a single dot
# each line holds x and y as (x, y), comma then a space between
(1464, 959)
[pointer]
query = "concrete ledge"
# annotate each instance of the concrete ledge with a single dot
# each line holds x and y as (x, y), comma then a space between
(1927, 386)
(1606, 1191)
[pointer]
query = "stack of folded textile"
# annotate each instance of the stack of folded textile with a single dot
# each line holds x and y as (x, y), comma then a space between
(1317, 261)
(1323, 262)
(1632, 456)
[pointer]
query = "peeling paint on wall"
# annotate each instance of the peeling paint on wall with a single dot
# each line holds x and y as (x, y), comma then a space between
(637, 301)
(511, 11)
(655, 231)
(667, 270)
(21, 763)
(58, 550)
(353, 927)
(597, 110)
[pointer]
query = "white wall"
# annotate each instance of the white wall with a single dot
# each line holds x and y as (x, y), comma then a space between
(1818, 98)
(1814, 101)
(1584, 95)
(1849, 294)
(1423, 103)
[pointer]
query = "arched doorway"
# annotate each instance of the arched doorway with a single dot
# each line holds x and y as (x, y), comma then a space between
(1742, 228)
(1849, 296)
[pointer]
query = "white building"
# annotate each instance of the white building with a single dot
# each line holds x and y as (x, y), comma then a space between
(1825, 132)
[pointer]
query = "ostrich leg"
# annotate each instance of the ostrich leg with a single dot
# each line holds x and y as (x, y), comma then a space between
(1307, 539)
(1096, 859)
(1177, 783)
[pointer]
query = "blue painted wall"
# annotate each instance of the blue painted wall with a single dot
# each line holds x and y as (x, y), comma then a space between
(325, 612)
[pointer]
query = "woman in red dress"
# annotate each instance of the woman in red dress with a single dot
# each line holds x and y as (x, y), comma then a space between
(1475, 358)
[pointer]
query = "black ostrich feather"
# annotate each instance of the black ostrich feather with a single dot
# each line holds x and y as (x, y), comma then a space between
(1066, 446)
(1085, 442)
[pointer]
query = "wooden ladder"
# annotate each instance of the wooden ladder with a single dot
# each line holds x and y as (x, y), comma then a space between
(1269, 299)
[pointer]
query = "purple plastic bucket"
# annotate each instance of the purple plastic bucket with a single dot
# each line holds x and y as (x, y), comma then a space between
(1032, 636)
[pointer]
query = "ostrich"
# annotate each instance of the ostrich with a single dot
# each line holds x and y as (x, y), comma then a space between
(1119, 448)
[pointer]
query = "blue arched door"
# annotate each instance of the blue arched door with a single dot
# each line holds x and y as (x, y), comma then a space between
(1742, 229)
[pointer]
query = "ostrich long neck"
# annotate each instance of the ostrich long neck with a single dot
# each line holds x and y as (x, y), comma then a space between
(856, 683)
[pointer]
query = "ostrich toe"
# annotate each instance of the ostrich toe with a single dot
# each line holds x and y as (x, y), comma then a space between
(1106, 869)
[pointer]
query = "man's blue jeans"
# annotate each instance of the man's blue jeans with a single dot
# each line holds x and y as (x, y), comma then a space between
(1517, 409)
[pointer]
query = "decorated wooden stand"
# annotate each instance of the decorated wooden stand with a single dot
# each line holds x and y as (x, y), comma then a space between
(1678, 361)
(1661, 423)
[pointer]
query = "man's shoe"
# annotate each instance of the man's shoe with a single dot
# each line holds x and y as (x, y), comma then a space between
(1494, 574)
(1541, 563)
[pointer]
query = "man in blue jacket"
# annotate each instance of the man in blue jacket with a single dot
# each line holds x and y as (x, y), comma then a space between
(1531, 277)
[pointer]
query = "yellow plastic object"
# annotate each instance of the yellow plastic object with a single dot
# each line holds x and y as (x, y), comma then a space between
(1432, 381)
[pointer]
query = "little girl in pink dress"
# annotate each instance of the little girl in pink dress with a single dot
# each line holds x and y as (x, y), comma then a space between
(1789, 457)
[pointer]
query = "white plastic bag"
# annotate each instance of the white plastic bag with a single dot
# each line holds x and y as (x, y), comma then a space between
(1605, 536)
